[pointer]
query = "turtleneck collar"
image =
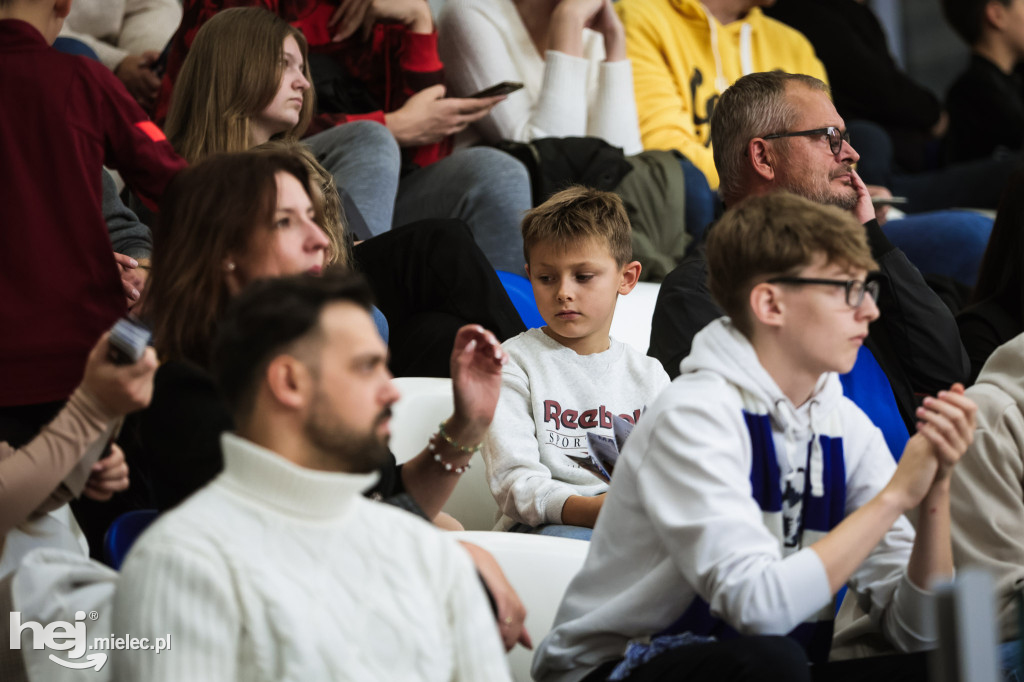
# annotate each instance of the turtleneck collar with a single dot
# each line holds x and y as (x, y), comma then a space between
(264, 476)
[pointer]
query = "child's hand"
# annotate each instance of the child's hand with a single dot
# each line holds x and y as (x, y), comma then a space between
(109, 476)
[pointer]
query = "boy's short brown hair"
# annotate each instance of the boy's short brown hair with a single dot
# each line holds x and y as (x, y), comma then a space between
(578, 214)
(777, 235)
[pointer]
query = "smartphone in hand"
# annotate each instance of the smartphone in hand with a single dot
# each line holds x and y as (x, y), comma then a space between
(504, 88)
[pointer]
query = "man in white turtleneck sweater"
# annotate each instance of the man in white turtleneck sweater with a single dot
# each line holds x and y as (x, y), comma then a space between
(279, 569)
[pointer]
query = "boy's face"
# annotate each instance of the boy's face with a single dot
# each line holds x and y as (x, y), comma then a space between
(576, 291)
(821, 331)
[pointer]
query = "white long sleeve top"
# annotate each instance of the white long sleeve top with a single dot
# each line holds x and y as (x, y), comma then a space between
(115, 29)
(484, 42)
(277, 572)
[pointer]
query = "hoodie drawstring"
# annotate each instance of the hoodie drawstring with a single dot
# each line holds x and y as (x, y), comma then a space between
(817, 463)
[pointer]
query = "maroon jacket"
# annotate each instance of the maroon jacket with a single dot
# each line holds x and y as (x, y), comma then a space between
(61, 120)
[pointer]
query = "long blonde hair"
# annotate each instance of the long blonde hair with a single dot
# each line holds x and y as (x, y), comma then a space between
(231, 74)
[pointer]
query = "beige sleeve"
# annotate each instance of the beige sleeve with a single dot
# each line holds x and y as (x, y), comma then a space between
(55, 465)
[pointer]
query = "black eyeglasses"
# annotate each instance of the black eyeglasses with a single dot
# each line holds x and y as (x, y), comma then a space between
(855, 288)
(836, 137)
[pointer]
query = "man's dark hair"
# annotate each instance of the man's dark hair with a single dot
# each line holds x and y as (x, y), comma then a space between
(267, 317)
(966, 17)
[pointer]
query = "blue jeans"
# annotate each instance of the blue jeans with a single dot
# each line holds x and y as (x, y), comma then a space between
(555, 530)
(1009, 661)
(947, 243)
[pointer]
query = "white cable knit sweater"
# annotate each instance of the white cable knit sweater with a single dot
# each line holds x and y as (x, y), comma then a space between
(277, 572)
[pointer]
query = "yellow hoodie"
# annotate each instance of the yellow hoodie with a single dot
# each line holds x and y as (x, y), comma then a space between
(683, 59)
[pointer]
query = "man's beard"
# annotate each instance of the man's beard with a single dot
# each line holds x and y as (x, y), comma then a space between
(356, 452)
(824, 193)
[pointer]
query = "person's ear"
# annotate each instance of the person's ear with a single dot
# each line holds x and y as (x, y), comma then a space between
(527, 266)
(630, 275)
(766, 304)
(61, 8)
(996, 14)
(761, 158)
(289, 381)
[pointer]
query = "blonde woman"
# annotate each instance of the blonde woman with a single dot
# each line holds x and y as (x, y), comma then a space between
(226, 96)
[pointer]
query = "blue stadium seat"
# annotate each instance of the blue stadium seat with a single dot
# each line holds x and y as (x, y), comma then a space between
(867, 385)
(122, 534)
(521, 293)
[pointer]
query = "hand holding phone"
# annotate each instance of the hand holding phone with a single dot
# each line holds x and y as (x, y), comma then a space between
(503, 88)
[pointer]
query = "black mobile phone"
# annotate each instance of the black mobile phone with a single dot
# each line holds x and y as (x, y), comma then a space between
(505, 88)
(128, 341)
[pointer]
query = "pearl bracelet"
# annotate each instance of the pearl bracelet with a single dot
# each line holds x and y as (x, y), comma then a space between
(433, 445)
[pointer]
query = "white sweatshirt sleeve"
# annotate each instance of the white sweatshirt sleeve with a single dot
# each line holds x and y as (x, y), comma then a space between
(181, 592)
(612, 115)
(521, 484)
(698, 457)
(900, 609)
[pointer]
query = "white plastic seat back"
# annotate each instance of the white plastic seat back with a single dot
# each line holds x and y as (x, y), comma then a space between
(425, 403)
(631, 323)
(539, 568)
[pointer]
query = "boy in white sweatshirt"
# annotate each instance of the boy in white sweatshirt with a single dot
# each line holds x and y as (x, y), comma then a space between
(569, 377)
(753, 490)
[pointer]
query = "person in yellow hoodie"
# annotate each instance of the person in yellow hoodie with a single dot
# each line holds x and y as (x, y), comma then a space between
(685, 53)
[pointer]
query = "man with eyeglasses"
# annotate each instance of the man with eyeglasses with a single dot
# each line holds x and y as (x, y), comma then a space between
(752, 490)
(775, 131)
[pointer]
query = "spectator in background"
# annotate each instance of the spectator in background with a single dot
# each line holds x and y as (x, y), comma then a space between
(376, 65)
(986, 102)
(996, 313)
(60, 286)
(127, 36)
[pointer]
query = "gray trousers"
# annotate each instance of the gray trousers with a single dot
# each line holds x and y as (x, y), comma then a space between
(485, 188)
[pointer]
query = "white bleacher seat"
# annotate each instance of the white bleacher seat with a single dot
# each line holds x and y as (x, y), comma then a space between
(633, 312)
(539, 568)
(425, 402)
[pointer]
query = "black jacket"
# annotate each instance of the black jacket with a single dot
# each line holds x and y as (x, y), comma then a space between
(915, 340)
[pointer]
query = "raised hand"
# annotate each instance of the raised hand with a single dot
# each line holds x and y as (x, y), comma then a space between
(428, 116)
(476, 363)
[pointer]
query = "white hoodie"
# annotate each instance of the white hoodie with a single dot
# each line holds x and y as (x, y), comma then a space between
(681, 529)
